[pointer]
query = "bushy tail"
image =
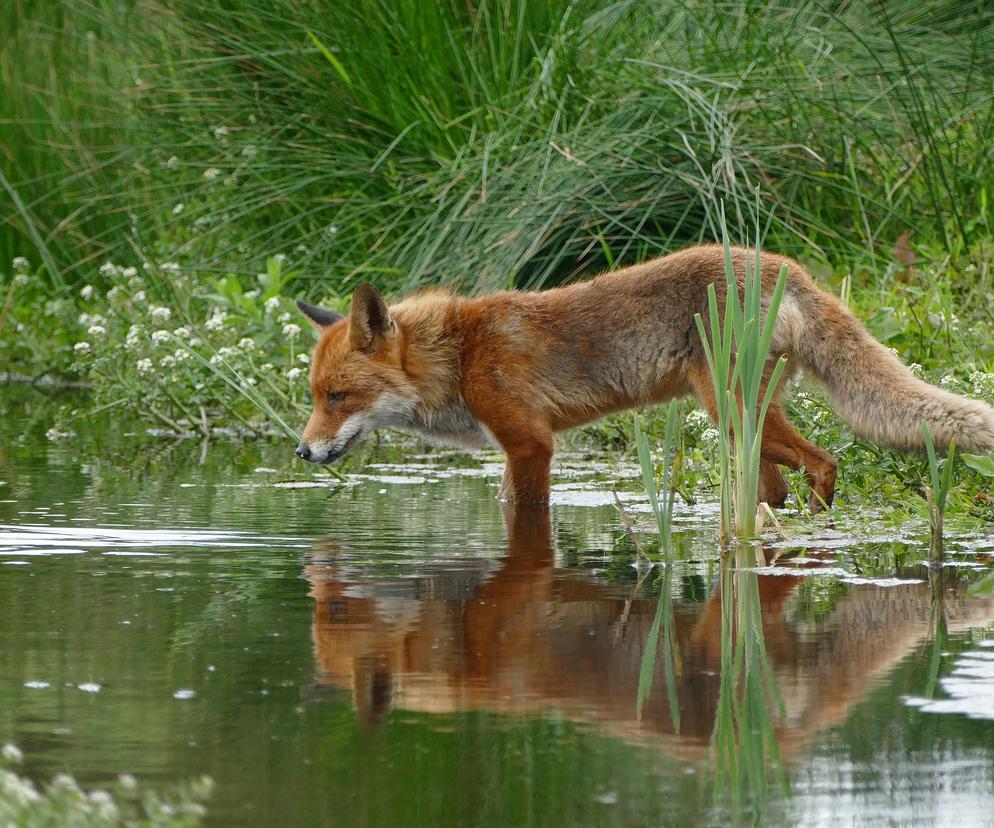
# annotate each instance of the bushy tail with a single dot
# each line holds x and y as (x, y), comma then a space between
(873, 390)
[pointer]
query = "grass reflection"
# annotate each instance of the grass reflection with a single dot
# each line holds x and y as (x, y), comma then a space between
(744, 743)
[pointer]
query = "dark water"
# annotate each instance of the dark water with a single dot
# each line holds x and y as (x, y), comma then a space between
(392, 652)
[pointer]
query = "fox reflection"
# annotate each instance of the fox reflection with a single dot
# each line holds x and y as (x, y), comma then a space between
(522, 636)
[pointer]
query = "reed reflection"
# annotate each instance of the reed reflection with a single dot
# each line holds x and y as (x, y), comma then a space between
(523, 636)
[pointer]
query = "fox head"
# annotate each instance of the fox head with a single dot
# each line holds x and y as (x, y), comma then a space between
(358, 379)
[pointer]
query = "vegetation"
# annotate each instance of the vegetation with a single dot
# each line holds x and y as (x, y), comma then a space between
(168, 189)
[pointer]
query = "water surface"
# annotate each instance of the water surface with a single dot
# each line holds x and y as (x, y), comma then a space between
(391, 649)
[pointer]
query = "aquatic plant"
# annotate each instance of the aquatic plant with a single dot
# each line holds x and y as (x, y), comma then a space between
(737, 348)
(941, 476)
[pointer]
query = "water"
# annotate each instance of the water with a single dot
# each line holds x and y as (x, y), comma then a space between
(387, 651)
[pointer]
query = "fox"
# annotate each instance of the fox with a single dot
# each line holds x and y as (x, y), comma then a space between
(511, 369)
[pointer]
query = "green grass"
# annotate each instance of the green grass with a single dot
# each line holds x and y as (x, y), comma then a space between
(492, 143)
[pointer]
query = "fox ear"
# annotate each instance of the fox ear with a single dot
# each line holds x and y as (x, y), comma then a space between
(369, 318)
(319, 317)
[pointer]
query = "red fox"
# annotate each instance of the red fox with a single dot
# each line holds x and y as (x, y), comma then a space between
(513, 368)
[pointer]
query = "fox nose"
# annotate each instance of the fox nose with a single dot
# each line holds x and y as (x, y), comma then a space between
(303, 451)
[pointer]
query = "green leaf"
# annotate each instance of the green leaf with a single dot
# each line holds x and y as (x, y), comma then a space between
(334, 61)
(980, 463)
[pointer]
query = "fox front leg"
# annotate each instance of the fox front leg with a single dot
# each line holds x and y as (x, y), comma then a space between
(529, 456)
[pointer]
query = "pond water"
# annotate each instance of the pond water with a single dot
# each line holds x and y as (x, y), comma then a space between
(392, 650)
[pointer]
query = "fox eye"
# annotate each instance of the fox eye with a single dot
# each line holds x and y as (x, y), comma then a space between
(336, 397)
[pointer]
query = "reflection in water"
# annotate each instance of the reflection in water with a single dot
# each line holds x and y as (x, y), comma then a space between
(530, 637)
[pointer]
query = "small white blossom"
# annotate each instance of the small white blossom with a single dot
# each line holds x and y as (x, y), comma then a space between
(127, 781)
(220, 131)
(12, 754)
(246, 344)
(272, 304)
(108, 269)
(266, 367)
(284, 317)
(159, 312)
(139, 297)
(178, 208)
(160, 336)
(172, 162)
(169, 267)
(230, 181)
(216, 359)
(129, 272)
(133, 337)
(304, 358)
(249, 151)
(143, 366)
(291, 330)
(294, 374)
(84, 318)
(216, 321)
(87, 292)
(82, 347)
(21, 264)
(167, 361)
(252, 294)
(96, 330)
(183, 332)
(181, 355)
(332, 230)
(280, 258)
(21, 278)
(300, 248)
(211, 173)
(114, 293)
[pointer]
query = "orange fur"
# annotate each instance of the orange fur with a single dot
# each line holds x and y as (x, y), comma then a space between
(513, 368)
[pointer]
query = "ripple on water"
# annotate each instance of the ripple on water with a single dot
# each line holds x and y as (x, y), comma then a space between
(969, 688)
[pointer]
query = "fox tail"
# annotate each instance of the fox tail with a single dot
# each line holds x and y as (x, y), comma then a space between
(871, 388)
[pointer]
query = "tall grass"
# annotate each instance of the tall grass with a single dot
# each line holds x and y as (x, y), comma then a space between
(499, 142)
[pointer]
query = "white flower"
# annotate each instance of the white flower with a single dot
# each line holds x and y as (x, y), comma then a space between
(143, 366)
(169, 267)
(284, 317)
(252, 294)
(266, 367)
(304, 358)
(127, 781)
(294, 374)
(139, 297)
(21, 278)
(211, 173)
(178, 208)
(129, 272)
(280, 258)
(249, 150)
(220, 131)
(21, 264)
(114, 293)
(300, 248)
(182, 332)
(108, 269)
(230, 181)
(87, 292)
(216, 359)
(167, 361)
(82, 347)
(217, 320)
(291, 330)
(12, 754)
(160, 336)
(181, 355)
(159, 312)
(246, 344)
(84, 318)
(272, 304)
(172, 161)
(332, 230)
(96, 330)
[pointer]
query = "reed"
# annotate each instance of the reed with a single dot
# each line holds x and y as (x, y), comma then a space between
(737, 348)
(941, 477)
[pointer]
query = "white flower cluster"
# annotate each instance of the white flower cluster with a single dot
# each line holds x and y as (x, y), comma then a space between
(291, 330)
(272, 304)
(21, 264)
(294, 374)
(216, 321)
(159, 312)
